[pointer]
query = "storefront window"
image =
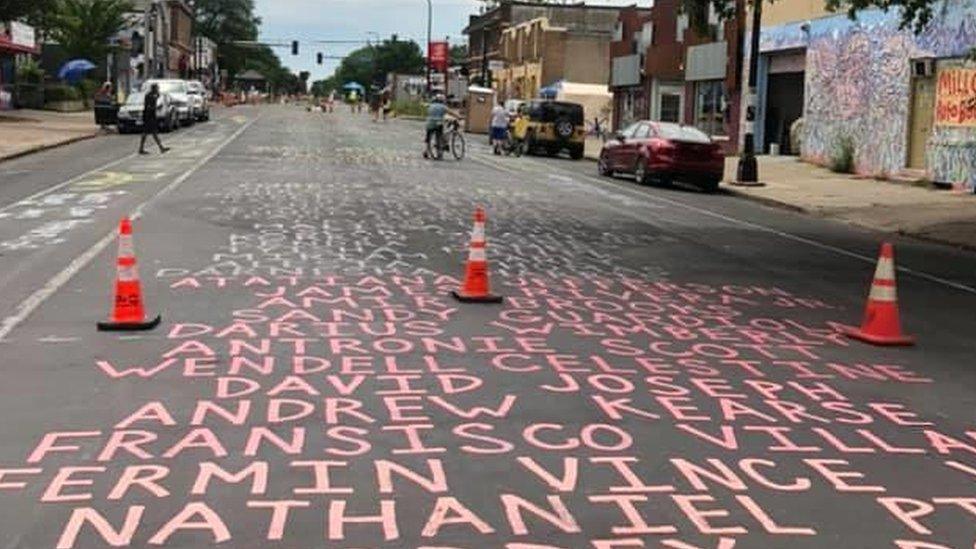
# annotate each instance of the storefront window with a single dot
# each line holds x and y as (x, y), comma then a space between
(710, 107)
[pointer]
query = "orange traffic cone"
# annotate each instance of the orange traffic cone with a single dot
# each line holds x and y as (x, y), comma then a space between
(881, 324)
(476, 288)
(128, 313)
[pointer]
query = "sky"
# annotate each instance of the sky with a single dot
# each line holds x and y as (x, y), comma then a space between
(309, 20)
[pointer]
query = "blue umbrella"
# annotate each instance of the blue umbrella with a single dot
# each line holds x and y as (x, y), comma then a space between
(353, 86)
(74, 70)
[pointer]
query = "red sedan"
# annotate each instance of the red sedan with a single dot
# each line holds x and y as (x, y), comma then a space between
(664, 152)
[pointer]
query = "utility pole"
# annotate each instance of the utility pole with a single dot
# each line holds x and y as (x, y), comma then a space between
(748, 170)
(430, 22)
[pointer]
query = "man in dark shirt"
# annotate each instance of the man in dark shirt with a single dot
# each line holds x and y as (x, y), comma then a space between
(149, 123)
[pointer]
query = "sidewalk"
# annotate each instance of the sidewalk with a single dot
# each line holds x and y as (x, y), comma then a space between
(921, 212)
(26, 131)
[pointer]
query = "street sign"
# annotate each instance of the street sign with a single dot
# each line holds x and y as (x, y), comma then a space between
(496, 65)
(437, 54)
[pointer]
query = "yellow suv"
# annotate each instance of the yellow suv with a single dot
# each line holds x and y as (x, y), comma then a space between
(554, 126)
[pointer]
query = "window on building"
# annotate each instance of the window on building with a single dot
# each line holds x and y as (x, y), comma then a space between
(682, 27)
(710, 107)
(670, 107)
(647, 35)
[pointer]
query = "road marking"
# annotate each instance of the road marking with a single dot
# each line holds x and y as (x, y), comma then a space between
(27, 307)
(79, 177)
(736, 221)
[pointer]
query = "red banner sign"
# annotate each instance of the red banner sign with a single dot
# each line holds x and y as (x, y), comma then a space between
(437, 55)
(956, 98)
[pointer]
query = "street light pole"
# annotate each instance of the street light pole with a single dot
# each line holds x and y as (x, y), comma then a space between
(748, 171)
(430, 21)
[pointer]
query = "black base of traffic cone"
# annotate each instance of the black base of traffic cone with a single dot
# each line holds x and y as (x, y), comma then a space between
(129, 326)
(477, 299)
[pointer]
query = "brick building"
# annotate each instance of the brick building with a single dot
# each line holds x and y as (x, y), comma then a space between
(662, 69)
(485, 30)
(536, 54)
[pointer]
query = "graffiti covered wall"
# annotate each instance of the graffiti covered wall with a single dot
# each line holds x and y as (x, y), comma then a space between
(858, 85)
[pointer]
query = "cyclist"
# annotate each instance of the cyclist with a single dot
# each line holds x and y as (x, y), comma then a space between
(437, 111)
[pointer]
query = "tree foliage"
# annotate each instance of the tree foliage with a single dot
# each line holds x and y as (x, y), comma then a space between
(321, 88)
(459, 54)
(84, 27)
(371, 64)
(915, 14)
(33, 11)
(229, 22)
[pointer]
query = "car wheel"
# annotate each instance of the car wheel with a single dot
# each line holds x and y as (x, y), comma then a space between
(640, 172)
(603, 167)
(552, 150)
(564, 128)
(576, 152)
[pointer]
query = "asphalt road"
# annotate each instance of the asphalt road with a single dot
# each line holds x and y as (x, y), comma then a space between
(666, 370)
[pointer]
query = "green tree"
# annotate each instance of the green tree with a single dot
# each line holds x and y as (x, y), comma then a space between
(371, 64)
(321, 88)
(227, 22)
(459, 54)
(31, 10)
(915, 14)
(83, 27)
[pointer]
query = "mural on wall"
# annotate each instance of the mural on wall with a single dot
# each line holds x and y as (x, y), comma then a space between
(858, 86)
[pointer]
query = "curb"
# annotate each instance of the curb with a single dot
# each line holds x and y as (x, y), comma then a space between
(49, 146)
(732, 191)
(812, 213)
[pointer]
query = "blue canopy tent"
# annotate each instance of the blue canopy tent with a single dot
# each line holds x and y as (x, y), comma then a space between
(354, 91)
(73, 71)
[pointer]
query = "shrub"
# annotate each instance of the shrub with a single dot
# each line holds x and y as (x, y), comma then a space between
(61, 92)
(30, 72)
(86, 90)
(409, 108)
(842, 157)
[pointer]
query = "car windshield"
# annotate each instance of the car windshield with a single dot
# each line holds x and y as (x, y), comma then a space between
(172, 86)
(135, 99)
(682, 133)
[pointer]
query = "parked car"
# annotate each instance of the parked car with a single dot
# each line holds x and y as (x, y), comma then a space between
(178, 90)
(512, 107)
(199, 99)
(130, 113)
(664, 152)
(555, 126)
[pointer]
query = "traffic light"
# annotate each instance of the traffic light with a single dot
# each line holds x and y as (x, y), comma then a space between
(319, 58)
(294, 47)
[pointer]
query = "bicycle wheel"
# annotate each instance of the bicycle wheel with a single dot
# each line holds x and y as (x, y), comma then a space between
(457, 145)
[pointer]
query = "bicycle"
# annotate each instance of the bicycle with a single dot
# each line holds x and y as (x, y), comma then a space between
(448, 139)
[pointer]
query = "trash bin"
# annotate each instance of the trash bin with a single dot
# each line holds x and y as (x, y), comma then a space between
(106, 114)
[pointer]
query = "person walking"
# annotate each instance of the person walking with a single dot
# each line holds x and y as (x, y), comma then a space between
(149, 122)
(106, 111)
(386, 104)
(499, 126)
(374, 105)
